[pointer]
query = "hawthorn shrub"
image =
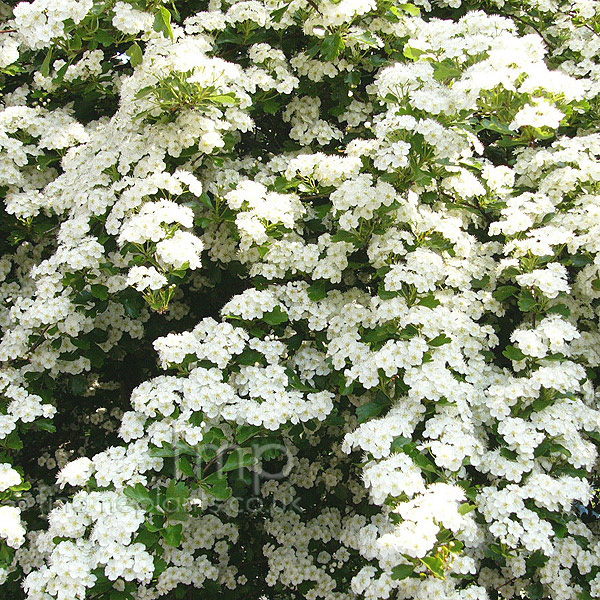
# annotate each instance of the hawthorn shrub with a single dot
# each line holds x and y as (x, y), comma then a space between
(299, 299)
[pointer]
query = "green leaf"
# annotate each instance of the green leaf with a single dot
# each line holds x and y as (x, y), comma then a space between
(495, 551)
(464, 509)
(493, 124)
(21, 487)
(13, 441)
(185, 467)
(45, 68)
(173, 534)
(403, 571)
(148, 538)
(332, 46)
(366, 38)
(204, 198)
(547, 447)
(412, 53)
(250, 357)
(45, 425)
(197, 419)
(140, 494)
(429, 301)
(380, 334)
(346, 236)
(119, 595)
(422, 461)
(409, 332)
(527, 301)
(345, 388)
(160, 565)
(238, 460)
(411, 9)
(220, 489)
(145, 91)
(177, 491)
(372, 409)
(580, 260)
(559, 309)
(165, 451)
(446, 70)
(479, 284)
(278, 13)
(439, 340)
(245, 432)
(103, 36)
(214, 436)
(156, 523)
(271, 106)
(297, 383)
(133, 304)
(95, 354)
(162, 22)
(542, 403)
(537, 559)
(399, 443)
(508, 453)
(504, 291)
(318, 290)
(99, 291)
(135, 54)
(6, 554)
(82, 343)
(513, 353)
(275, 317)
(560, 529)
(224, 99)
(353, 78)
(594, 435)
(535, 591)
(435, 565)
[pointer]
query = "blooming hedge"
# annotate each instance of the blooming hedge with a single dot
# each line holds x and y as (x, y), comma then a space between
(299, 299)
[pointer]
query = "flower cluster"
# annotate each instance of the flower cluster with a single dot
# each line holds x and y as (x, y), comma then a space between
(299, 298)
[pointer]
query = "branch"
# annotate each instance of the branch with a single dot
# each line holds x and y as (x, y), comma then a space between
(534, 27)
(218, 456)
(313, 4)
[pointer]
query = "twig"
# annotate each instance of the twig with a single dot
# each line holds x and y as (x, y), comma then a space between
(314, 5)
(529, 24)
(225, 450)
(40, 340)
(583, 23)
(219, 455)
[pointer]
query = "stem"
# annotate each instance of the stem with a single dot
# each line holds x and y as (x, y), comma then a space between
(40, 340)
(528, 24)
(219, 455)
(313, 4)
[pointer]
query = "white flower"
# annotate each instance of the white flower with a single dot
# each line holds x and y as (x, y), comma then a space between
(130, 20)
(142, 277)
(76, 472)
(550, 281)
(11, 528)
(540, 114)
(180, 249)
(8, 477)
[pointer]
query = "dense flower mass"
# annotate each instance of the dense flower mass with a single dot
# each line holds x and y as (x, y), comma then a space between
(299, 299)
